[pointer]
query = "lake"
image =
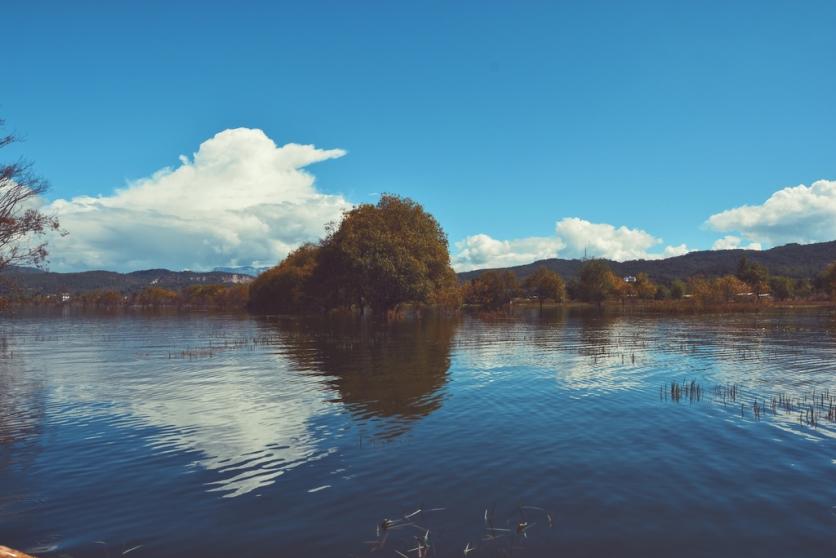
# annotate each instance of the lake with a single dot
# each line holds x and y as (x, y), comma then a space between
(562, 435)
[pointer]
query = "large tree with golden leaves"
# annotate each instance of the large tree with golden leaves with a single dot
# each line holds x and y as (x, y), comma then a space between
(385, 254)
(597, 282)
(545, 284)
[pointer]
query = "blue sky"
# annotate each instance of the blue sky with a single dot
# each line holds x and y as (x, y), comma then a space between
(502, 118)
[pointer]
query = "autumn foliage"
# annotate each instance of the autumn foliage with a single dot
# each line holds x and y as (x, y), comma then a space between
(289, 287)
(378, 257)
(492, 289)
(829, 280)
(545, 284)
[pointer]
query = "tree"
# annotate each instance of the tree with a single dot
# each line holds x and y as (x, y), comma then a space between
(493, 289)
(385, 254)
(22, 226)
(701, 290)
(573, 289)
(288, 287)
(782, 288)
(803, 288)
(215, 296)
(155, 297)
(102, 298)
(203, 295)
(645, 288)
(449, 295)
(829, 277)
(379, 256)
(596, 281)
(715, 291)
(236, 296)
(729, 287)
(753, 274)
(662, 293)
(545, 284)
(109, 299)
(619, 288)
(677, 289)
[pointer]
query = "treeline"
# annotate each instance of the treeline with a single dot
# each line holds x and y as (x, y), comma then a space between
(597, 283)
(31, 281)
(292, 287)
(194, 296)
(381, 257)
(796, 261)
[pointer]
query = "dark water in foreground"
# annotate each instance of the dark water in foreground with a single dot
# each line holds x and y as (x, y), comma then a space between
(233, 436)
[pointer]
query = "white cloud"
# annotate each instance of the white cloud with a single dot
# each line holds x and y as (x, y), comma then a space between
(604, 240)
(481, 251)
(241, 200)
(794, 214)
(224, 416)
(574, 238)
(671, 251)
(731, 242)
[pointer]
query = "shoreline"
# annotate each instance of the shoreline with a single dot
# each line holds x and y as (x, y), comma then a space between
(411, 311)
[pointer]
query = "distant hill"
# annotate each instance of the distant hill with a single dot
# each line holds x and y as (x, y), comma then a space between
(34, 281)
(792, 260)
(243, 269)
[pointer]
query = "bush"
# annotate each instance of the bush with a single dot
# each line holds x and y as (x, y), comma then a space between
(288, 287)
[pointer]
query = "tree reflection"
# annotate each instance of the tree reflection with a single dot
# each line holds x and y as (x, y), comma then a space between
(393, 371)
(598, 333)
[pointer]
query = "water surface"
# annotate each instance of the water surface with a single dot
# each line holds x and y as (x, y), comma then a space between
(217, 435)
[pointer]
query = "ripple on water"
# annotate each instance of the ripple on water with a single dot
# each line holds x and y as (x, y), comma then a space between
(217, 434)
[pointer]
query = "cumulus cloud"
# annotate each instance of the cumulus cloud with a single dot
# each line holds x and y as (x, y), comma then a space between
(731, 242)
(672, 251)
(604, 240)
(481, 251)
(801, 214)
(240, 200)
(573, 238)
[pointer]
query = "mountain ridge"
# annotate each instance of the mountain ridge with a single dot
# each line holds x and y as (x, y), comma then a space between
(242, 270)
(33, 281)
(793, 260)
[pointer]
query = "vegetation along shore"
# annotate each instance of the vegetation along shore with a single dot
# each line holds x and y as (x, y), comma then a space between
(391, 256)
